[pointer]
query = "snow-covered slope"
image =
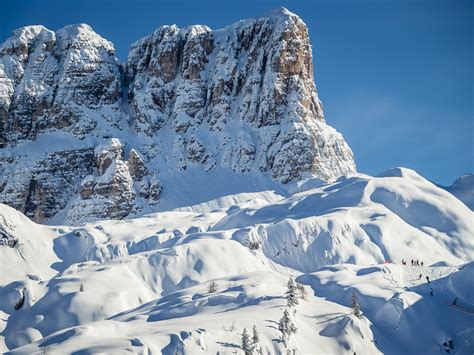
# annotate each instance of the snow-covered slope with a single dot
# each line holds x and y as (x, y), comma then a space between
(241, 99)
(360, 219)
(463, 189)
(143, 284)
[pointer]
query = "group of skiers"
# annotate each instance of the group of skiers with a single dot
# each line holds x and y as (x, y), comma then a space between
(427, 278)
(419, 263)
(413, 262)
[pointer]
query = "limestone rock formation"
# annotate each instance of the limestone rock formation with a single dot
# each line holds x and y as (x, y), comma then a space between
(84, 137)
(110, 191)
(246, 91)
(66, 80)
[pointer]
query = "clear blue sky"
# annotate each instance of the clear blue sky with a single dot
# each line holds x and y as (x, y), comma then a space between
(395, 77)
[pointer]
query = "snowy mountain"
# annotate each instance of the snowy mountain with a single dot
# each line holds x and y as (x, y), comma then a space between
(239, 99)
(143, 285)
(463, 189)
(195, 191)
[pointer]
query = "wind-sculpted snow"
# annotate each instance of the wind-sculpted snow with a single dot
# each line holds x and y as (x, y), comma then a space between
(240, 99)
(144, 284)
(360, 219)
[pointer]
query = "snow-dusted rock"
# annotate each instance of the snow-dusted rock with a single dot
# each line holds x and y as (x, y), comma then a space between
(69, 80)
(110, 192)
(43, 186)
(240, 99)
(246, 91)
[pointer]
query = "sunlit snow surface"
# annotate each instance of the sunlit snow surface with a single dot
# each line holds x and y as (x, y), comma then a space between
(141, 285)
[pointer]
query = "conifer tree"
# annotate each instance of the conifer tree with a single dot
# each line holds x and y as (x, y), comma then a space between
(291, 293)
(301, 291)
(356, 307)
(286, 325)
(246, 343)
(255, 338)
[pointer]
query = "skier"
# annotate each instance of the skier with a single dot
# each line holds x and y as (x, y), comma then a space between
(422, 264)
(419, 278)
(455, 301)
(431, 292)
(411, 262)
(428, 279)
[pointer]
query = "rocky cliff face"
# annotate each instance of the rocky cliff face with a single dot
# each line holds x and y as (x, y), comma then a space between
(242, 97)
(67, 80)
(85, 137)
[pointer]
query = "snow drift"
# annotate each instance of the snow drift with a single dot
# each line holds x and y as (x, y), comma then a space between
(144, 284)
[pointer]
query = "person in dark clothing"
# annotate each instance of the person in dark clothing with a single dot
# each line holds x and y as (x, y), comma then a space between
(411, 262)
(419, 278)
(431, 292)
(455, 301)
(428, 279)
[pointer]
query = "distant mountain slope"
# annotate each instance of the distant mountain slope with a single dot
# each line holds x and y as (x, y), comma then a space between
(77, 125)
(463, 189)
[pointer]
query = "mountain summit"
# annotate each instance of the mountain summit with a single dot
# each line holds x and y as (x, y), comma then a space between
(239, 99)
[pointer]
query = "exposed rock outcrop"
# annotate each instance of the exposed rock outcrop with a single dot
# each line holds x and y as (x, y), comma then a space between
(246, 91)
(43, 187)
(241, 98)
(110, 191)
(67, 80)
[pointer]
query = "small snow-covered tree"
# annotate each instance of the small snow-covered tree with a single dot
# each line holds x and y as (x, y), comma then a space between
(246, 343)
(291, 293)
(253, 244)
(255, 340)
(301, 291)
(255, 335)
(355, 306)
(212, 287)
(286, 325)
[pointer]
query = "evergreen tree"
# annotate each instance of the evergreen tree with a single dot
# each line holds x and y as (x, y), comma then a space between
(291, 293)
(301, 291)
(356, 307)
(286, 325)
(255, 338)
(246, 343)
